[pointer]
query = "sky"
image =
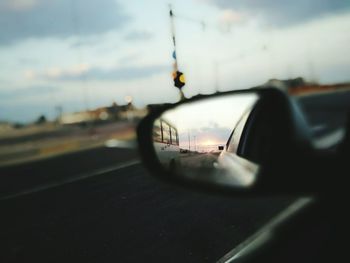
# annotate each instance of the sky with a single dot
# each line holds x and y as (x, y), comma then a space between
(215, 126)
(80, 54)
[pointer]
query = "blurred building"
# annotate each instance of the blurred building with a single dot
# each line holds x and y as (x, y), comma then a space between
(299, 86)
(111, 113)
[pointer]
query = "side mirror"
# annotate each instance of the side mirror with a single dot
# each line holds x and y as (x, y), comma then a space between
(268, 144)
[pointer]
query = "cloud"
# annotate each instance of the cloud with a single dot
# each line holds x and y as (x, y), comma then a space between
(27, 61)
(139, 35)
(23, 19)
(130, 58)
(17, 5)
(17, 93)
(84, 43)
(85, 72)
(283, 13)
(212, 132)
(217, 132)
(230, 16)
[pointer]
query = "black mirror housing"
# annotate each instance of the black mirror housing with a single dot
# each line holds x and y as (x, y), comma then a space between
(289, 154)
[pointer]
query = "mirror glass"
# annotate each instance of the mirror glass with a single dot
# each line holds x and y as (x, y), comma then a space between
(201, 140)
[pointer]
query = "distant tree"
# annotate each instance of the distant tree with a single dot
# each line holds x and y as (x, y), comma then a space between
(18, 125)
(42, 119)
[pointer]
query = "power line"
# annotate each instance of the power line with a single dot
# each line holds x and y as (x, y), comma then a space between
(195, 21)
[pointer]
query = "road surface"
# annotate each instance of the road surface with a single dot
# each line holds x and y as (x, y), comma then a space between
(100, 205)
(121, 215)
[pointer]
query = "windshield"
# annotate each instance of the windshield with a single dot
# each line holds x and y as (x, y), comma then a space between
(76, 78)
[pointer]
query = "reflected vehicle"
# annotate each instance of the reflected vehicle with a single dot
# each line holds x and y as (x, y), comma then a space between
(202, 137)
(232, 161)
(166, 143)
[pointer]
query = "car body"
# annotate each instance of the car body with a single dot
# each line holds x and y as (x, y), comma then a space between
(272, 152)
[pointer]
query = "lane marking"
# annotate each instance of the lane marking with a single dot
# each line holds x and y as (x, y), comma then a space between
(59, 148)
(114, 143)
(71, 180)
(265, 233)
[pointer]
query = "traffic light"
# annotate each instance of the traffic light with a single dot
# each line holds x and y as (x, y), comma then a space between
(179, 79)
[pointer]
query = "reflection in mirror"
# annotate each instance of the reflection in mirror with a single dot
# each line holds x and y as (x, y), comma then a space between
(201, 140)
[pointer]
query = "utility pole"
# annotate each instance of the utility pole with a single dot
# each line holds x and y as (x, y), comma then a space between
(195, 145)
(175, 66)
(216, 76)
(189, 140)
(173, 36)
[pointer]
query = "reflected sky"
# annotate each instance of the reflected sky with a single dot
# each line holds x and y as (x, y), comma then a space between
(208, 123)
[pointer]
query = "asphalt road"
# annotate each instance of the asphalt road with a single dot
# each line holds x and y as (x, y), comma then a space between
(121, 215)
(100, 205)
